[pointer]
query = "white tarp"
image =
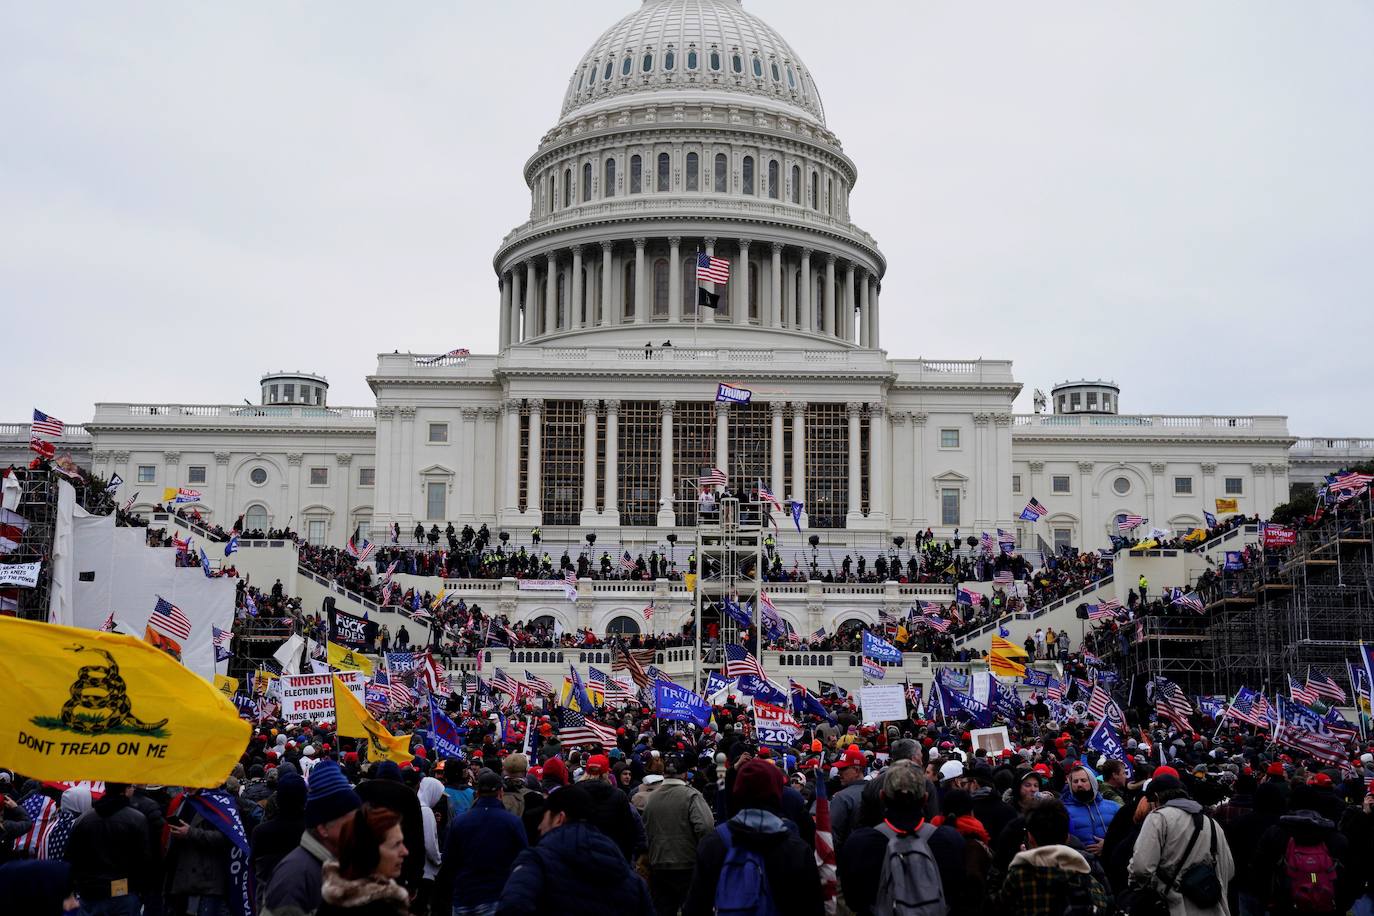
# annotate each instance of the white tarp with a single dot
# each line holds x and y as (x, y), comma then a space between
(108, 569)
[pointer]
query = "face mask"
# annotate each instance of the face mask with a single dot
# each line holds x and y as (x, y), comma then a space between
(1084, 795)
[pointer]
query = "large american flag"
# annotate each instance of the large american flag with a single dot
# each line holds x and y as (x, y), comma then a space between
(766, 496)
(633, 661)
(168, 620)
(574, 728)
(47, 838)
(713, 477)
(504, 683)
(1172, 703)
(1002, 577)
(538, 685)
(1190, 601)
(1099, 611)
(1325, 747)
(712, 270)
(1129, 522)
(1033, 511)
(1301, 692)
(1249, 707)
(1342, 486)
(1323, 686)
(363, 549)
(45, 426)
(740, 662)
(627, 562)
(935, 622)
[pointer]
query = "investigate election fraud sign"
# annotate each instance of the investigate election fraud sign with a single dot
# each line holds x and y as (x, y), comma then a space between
(88, 705)
(310, 697)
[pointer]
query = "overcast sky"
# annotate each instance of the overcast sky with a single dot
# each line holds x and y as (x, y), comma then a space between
(1175, 195)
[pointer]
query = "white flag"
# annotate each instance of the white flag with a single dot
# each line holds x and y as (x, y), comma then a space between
(289, 653)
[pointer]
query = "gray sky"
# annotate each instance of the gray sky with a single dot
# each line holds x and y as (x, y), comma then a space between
(1176, 195)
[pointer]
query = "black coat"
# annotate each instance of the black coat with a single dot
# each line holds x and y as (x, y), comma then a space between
(107, 843)
(575, 870)
(860, 864)
(611, 814)
(789, 863)
(398, 797)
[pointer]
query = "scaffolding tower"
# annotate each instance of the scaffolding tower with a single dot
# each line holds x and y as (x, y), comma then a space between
(37, 506)
(729, 565)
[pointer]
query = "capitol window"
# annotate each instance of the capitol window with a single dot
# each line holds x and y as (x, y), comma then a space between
(722, 173)
(258, 476)
(715, 60)
(146, 473)
(1234, 486)
(796, 184)
(636, 174)
(693, 169)
(610, 68)
(1121, 486)
(692, 59)
(748, 168)
(758, 67)
(586, 181)
(777, 77)
(436, 500)
(773, 179)
(1016, 483)
(737, 63)
(669, 60)
(195, 473)
(319, 477)
(438, 432)
(256, 518)
(1063, 539)
(367, 477)
(608, 186)
(1183, 486)
(1059, 483)
(665, 171)
(815, 191)
(661, 287)
(626, 65)
(648, 62)
(567, 188)
(949, 438)
(949, 506)
(791, 78)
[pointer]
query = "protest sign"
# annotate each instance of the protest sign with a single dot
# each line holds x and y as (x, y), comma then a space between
(992, 740)
(350, 630)
(20, 575)
(882, 702)
(310, 697)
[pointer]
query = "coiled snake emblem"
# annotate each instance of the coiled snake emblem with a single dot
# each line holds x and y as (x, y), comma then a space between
(99, 700)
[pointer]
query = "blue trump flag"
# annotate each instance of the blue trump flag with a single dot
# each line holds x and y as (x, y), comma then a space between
(803, 701)
(738, 614)
(796, 515)
(680, 704)
(754, 686)
(1106, 740)
(205, 564)
(1036, 678)
(448, 740)
(879, 649)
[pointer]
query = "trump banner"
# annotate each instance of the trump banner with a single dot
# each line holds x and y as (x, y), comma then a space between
(680, 704)
(83, 704)
(1279, 536)
(729, 394)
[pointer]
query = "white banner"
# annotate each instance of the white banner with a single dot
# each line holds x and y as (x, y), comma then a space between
(882, 702)
(310, 697)
(542, 585)
(23, 575)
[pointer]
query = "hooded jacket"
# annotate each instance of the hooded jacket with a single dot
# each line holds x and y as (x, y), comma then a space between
(676, 818)
(1088, 820)
(274, 838)
(574, 871)
(430, 792)
(1046, 880)
(1244, 833)
(1159, 849)
(788, 862)
(107, 843)
(1307, 828)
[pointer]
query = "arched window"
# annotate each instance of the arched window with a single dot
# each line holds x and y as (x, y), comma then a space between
(628, 291)
(748, 172)
(586, 181)
(773, 178)
(669, 60)
(665, 171)
(737, 63)
(815, 191)
(608, 183)
(796, 184)
(625, 66)
(827, 194)
(567, 187)
(715, 60)
(791, 78)
(636, 174)
(689, 287)
(544, 621)
(256, 517)
(722, 173)
(777, 77)
(755, 279)
(610, 68)
(623, 626)
(692, 59)
(758, 68)
(693, 168)
(661, 287)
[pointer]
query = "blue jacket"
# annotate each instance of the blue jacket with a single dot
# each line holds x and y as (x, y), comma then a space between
(575, 870)
(1088, 820)
(479, 852)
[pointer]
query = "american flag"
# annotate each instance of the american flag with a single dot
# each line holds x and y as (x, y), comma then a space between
(816, 636)
(1098, 702)
(928, 607)
(825, 847)
(46, 816)
(1249, 707)
(376, 696)
(363, 551)
(1054, 691)
(627, 562)
(390, 571)
(1341, 486)
(400, 662)
(712, 270)
(633, 661)
(1099, 611)
(935, 622)
(649, 611)
(168, 620)
(1129, 522)
(459, 353)
(987, 541)
(740, 662)
(1004, 577)
(1301, 692)
(1325, 747)
(1172, 703)
(504, 683)
(45, 426)
(1006, 540)
(1112, 604)
(538, 685)
(1190, 601)
(574, 728)
(471, 684)
(714, 477)
(1033, 511)
(618, 691)
(433, 673)
(766, 495)
(1323, 686)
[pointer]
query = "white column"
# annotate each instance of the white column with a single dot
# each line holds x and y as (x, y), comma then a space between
(610, 512)
(575, 281)
(667, 515)
(865, 314)
(674, 280)
(808, 284)
(775, 307)
(589, 409)
(776, 409)
(503, 338)
(723, 437)
(739, 306)
(293, 486)
(467, 495)
(878, 508)
(534, 477)
(798, 493)
(873, 323)
(920, 485)
(551, 293)
(846, 324)
(606, 317)
(510, 462)
(1090, 533)
(408, 465)
(642, 303)
(855, 411)
(1158, 498)
(828, 296)
(531, 301)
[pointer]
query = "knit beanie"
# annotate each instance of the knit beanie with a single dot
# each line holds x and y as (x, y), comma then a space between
(328, 795)
(759, 784)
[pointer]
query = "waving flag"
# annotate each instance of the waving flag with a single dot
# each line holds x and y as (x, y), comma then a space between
(736, 613)
(1033, 511)
(766, 496)
(825, 847)
(1106, 740)
(574, 728)
(1129, 522)
(740, 662)
(1300, 692)
(44, 426)
(220, 639)
(804, 702)
(168, 620)
(1006, 540)
(232, 546)
(1323, 686)
(769, 618)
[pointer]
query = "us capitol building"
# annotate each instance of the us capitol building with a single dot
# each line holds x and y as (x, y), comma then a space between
(689, 126)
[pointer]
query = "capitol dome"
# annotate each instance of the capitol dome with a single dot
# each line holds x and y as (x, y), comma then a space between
(684, 47)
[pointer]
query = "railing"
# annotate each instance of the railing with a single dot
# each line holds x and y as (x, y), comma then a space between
(1034, 613)
(1319, 444)
(21, 430)
(1209, 423)
(1209, 545)
(106, 412)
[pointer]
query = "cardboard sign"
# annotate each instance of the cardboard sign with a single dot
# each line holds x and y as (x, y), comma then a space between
(992, 740)
(883, 702)
(310, 697)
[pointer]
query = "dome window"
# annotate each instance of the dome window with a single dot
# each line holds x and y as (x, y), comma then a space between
(715, 60)
(608, 185)
(610, 68)
(586, 181)
(773, 179)
(693, 172)
(721, 175)
(758, 68)
(777, 77)
(669, 60)
(625, 65)
(748, 174)
(791, 78)
(737, 63)
(665, 172)
(692, 59)
(648, 63)
(636, 174)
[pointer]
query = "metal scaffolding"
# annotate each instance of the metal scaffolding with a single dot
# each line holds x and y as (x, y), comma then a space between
(729, 559)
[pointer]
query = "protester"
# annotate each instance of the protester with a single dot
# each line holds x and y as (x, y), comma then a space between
(362, 881)
(479, 852)
(39, 888)
(108, 852)
(1089, 811)
(276, 837)
(1049, 878)
(431, 793)
(676, 818)
(1176, 836)
(330, 803)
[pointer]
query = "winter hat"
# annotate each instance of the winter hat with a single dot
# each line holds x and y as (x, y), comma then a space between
(329, 796)
(290, 791)
(759, 784)
(555, 769)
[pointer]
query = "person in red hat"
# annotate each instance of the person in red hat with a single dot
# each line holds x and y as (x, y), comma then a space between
(611, 810)
(844, 807)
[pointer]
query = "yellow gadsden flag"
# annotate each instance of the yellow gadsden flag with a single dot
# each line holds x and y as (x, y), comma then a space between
(356, 722)
(226, 685)
(345, 659)
(1228, 505)
(82, 704)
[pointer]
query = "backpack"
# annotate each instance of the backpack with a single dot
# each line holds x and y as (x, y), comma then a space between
(1310, 875)
(909, 883)
(742, 888)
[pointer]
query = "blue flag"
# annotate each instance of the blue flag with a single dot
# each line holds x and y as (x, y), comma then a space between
(754, 686)
(579, 693)
(715, 683)
(232, 546)
(1003, 631)
(1211, 519)
(448, 740)
(1106, 740)
(205, 564)
(738, 614)
(1036, 678)
(803, 701)
(680, 704)
(217, 807)
(796, 515)
(880, 649)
